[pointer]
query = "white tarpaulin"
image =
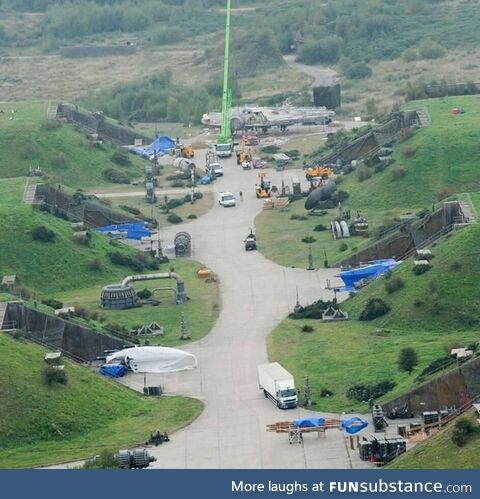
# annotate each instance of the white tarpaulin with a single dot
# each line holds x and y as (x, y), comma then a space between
(154, 359)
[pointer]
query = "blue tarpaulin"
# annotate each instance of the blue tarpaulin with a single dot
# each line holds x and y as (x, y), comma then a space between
(309, 422)
(113, 371)
(353, 425)
(376, 269)
(135, 230)
(159, 147)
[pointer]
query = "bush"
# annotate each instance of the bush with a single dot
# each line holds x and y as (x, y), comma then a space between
(105, 460)
(393, 284)
(429, 49)
(363, 173)
(407, 359)
(456, 266)
(50, 302)
(175, 203)
(359, 71)
(436, 365)
(433, 285)
(41, 233)
(418, 303)
(398, 172)
(95, 265)
(178, 183)
(326, 393)
(409, 55)
(121, 158)
(173, 218)
(307, 329)
(343, 247)
(326, 51)
(144, 294)
(409, 151)
(308, 240)
(130, 209)
(192, 216)
(116, 176)
(52, 375)
(421, 269)
(463, 431)
(363, 392)
(320, 228)
(374, 308)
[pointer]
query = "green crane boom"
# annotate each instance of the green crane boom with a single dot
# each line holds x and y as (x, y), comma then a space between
(225, 136)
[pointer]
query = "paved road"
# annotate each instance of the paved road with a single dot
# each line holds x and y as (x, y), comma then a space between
(256, 295)
(322, 75)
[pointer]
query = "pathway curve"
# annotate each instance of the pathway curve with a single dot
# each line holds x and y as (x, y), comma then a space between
(256, 295)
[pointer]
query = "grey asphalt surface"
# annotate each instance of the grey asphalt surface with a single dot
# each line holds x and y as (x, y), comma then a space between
(256, 295)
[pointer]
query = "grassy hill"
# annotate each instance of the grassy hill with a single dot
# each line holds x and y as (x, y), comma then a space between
(432, 313)
(439, 160)
(64, 153)
(439, 452)
(63, 269)
(44, 425)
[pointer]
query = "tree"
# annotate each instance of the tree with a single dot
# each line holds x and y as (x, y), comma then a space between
(407, 359)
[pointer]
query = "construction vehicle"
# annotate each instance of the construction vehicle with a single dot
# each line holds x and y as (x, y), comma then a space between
(250, 241)
(318, 172)
(263, 189)
(243, 155)
(278, 385)
(187, 152)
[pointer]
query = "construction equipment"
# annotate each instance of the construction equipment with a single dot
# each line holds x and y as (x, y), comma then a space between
(243, 155)
(360, 225)
(187, 152)
(318, 172)
(262, 190)
(134, 459)
(250, 241)
(224, 144)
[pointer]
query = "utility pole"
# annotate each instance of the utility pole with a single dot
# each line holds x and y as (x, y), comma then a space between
(310, 258)
(308, 392)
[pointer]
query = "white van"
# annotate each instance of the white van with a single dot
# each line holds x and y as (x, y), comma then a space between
(226, 199)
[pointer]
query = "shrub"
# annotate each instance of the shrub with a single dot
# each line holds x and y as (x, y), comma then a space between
(326, 393)
(192, 216)
(456, 266)
(418, 303)
(327, 50)
(178, 183)
(52, 375)
(429, 49)
(41, 233)
(320, 228)
(95, 265)
(116, 176)
(144, 294)
(409, 55)
(421, 269)
(374, 308)
(130, 209)
(409, 151)
(173, 218)
(398, 172)
(307, 329)
(121, 158)
(363, 392)
(394, 284)
(343, 247)
(359, 71)
(51, 302)
(363, 173)
(463, 431)
(433, 285)
(407, 359)
(175, 203)
(308, 240)
(105, 460)
(436, 365)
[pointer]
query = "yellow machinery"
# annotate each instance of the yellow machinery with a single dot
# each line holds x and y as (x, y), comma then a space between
(187, 152)
(243, 155)
(263, 189)
(318, 172)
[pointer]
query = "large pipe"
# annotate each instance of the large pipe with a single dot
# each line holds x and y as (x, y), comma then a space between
(181, 293)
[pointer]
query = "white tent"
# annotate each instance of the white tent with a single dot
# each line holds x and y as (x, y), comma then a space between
(153, 359)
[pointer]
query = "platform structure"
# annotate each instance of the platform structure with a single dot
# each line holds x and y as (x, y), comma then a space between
(295, 433)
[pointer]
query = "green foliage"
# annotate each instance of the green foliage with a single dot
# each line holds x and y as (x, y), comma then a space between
(144, 294)
(52, 374)
(173, 218)
(359, 71)
(104, 461)
(306, 328)
(51, 302)
(308, 239)
(421, 269)
(430, 49)
(364, 392)
(463, 431)
(395, 283)
(320, 228)
(343, 246)
(116, 176)
(326, 50)
(407, 359)
(120, 157)
(374, 308)
(42, 233)
(409, 55)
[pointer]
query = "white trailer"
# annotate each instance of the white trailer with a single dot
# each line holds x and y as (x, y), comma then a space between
(278, 385)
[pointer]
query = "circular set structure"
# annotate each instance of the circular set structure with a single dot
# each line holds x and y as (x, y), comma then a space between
(183, 244)
(118, 296)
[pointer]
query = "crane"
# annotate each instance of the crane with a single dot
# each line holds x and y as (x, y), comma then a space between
(224, 145)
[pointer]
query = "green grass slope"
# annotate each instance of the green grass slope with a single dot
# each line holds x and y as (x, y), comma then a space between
(439, 452)
(63, 153)
(432, 313)
(44, 425)
(444, 161)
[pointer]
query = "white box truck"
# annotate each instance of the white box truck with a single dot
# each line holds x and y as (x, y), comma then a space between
(278, 385)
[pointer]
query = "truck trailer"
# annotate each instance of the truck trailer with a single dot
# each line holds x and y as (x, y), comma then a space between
(278, 385)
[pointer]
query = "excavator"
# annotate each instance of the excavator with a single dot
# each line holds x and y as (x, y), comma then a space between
(263, 189)
(318, 172)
